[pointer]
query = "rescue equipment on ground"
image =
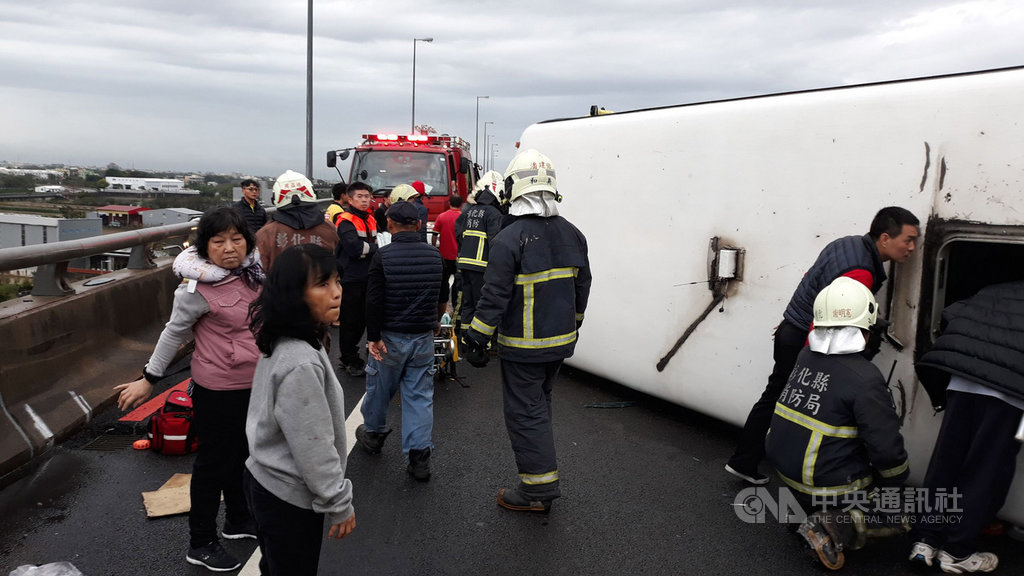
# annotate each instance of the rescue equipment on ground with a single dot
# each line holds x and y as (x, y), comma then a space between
(170, 429)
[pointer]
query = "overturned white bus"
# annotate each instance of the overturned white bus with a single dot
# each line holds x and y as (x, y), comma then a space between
(702, 219)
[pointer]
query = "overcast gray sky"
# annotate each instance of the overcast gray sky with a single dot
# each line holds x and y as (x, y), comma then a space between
(219, 85)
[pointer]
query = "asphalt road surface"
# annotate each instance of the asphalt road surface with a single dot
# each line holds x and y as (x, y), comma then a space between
(644, 493)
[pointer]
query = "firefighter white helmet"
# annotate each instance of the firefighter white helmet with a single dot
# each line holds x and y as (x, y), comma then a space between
(845, 302)
(529, 171)
(492, 181)
(292, 185)
(402, 192)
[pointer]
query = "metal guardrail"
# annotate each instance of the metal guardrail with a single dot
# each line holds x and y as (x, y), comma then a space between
(52, 258)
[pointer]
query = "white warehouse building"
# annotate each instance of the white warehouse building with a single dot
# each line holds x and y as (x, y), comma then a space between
(140, 185)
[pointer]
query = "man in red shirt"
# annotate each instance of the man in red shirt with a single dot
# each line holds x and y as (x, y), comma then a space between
(444, 239)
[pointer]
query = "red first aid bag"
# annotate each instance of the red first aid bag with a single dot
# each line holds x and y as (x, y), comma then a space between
(170, 429)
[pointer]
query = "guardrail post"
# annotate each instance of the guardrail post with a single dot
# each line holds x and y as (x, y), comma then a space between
(141, 258)
(51, 280)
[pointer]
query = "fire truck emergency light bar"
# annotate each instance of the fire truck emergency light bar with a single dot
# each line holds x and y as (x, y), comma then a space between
(416, 140)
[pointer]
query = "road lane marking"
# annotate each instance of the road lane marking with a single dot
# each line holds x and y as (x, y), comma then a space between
(355, 418)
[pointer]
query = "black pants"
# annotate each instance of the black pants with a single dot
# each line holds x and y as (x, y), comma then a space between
(526, 394)
(975, 453)
(789, 340)
(352, 321)
(448, 270)
(219, 424)
(289, 536)
(472, 283)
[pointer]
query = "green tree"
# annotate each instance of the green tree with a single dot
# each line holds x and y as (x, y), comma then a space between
(102, 184)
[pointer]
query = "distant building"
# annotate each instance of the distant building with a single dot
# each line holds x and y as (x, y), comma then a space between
(166, 216)
(147, 185)
(117, 215)
(50, 189)
(27, 230)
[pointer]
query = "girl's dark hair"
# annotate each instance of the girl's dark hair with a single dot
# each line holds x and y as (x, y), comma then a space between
(217, 220)
(281, 310)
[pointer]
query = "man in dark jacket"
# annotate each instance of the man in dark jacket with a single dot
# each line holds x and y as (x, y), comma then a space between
(401, 315)
(357, 243)
(249, 205)
(975, 371)
(475, 230)
(835, 434)
(892, 236)
(534, 295)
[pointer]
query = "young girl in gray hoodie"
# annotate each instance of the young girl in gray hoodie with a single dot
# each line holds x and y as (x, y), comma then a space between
(295, 474)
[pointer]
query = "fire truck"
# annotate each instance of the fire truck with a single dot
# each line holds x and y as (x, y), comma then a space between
(442, 162)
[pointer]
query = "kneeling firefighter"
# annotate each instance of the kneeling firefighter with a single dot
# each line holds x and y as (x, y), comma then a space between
(835, 435)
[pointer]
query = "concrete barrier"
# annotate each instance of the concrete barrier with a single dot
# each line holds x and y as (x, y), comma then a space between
(61, 357)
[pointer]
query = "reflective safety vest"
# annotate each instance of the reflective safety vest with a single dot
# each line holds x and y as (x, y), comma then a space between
(536, 288)
(356, 244)
(835, 429)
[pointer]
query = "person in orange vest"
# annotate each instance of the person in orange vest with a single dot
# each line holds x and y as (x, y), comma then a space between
(357, 243)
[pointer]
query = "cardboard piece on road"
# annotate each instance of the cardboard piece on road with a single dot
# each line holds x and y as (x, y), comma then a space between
(171, 498)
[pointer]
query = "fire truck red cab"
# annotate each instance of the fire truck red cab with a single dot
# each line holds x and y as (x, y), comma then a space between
(442, 162)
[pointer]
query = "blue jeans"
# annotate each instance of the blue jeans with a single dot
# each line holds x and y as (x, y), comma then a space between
(409, 366)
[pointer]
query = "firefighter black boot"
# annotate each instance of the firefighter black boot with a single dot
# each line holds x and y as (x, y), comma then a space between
(419, 464)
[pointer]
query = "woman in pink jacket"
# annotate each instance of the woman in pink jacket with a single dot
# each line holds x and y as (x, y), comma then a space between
(222, 276)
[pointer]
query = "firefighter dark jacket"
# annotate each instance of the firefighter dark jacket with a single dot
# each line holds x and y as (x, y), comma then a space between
(475, 229)
(535, 290)
(835, 429)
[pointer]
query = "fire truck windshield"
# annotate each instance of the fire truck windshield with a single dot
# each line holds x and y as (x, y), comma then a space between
(385, 169)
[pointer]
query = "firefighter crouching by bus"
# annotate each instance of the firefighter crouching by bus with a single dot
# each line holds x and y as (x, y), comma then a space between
(535, 292)
(835, 436)
(475, 229)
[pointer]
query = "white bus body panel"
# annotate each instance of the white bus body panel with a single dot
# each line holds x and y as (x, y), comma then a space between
(778, 177)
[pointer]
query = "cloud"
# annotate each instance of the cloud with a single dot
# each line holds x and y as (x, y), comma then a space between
(221, 86)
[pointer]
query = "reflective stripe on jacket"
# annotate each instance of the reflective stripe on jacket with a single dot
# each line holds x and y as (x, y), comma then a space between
(535, 292)
(835, 429)
(475, 230)
(357, 242)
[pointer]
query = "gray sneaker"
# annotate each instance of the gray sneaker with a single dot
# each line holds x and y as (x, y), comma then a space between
(977, 562)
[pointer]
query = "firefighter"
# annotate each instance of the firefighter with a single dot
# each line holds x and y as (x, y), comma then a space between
(835, 436)
(475, 229)
(535, 292)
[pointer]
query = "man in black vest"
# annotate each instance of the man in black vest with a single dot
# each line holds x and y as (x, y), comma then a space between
(403, 290)
(893, 236)
(975, 371)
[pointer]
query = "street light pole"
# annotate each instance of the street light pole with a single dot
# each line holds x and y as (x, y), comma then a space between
(414, 41)
(476, 136)
(309, 93)
(485, 144)
(494, 154)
